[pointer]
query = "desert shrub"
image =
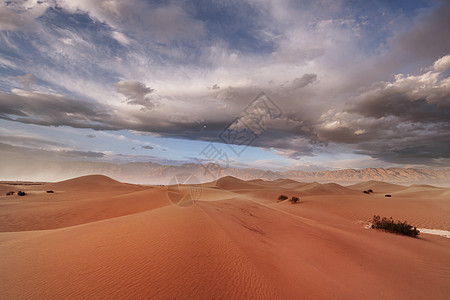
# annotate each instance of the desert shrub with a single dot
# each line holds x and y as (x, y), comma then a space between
(366, 192)
(396, 227)
(283, 197)
(370, 190)
(10, 193)
(387, 195)
(50, 192)
(21, 193)
(295, 199)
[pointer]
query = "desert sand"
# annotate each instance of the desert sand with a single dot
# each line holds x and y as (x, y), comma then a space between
(96, 238)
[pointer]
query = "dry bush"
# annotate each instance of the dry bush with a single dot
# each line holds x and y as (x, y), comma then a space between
(396, 227)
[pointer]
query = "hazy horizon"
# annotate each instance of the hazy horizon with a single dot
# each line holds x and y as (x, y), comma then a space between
(159, 174)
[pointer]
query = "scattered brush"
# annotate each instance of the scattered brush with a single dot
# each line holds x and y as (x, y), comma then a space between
(283, 197)
(395, 227)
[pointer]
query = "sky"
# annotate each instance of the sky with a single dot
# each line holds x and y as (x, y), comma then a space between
(268, 84)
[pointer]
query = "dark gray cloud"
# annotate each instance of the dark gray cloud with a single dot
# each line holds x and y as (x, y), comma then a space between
(403, 121)
(136, 93)
(303, 81)
(424, 98)
(427, 148)
(399, 105)
(52, 110)
(425, 40)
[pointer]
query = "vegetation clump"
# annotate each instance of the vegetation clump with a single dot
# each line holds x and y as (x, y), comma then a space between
(295, 199)
(369, 191)
(395, 227)
(21, 193)
(50, 192)
(283, 197)
(387, 195)
(10, 193)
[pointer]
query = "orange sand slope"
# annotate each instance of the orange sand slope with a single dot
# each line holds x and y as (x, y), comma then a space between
(98, 238)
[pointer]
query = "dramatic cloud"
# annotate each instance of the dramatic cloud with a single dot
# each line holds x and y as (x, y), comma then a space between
(136, 93)
(51, 109)
(422, 98)
(405, 120)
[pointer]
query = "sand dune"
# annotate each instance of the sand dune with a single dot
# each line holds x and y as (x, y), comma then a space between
(305, 257)
(232, 183)
(377, 186)
(77, 201)
(325, 189)
(156, 254)
(98, 238)
(421, 191)
(92, 183)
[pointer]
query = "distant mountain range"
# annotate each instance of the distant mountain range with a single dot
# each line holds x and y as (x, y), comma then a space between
(154, 173)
